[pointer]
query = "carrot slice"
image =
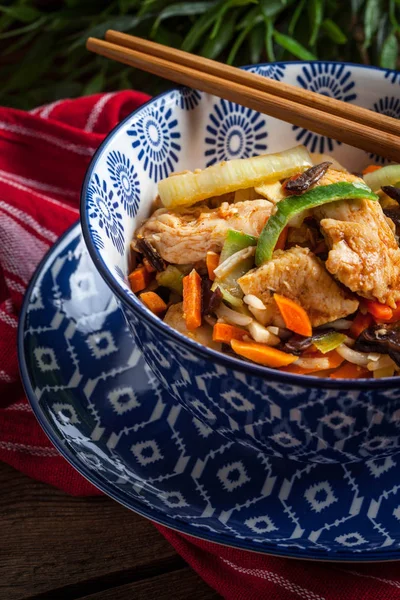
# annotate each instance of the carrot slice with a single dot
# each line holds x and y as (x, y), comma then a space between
(396, 313)
(225, 333)
(153, 302)
(350, 371)
(139, 279)
(371, 169)
(360, 323)
(381, 312)
(212, 262)
(148, 266)
(262, 354)
(192, 300)
(295, 317)
(281, 243)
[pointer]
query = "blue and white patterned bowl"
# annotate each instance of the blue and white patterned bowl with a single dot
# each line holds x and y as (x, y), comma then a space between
(284, 415)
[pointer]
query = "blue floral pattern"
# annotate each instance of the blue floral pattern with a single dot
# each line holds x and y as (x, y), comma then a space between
(155, 135)
(390, 106)
(329, 79)
(125, 180)
(234, 132)
(104, 210)
(276, 72)
(188, 99)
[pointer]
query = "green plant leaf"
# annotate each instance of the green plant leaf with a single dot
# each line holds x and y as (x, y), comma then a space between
(292, 46)
(239, 41)
(372, 15)
(122, 23)
(356, 6)
(36, 62)
(214, 46)
(95, 84)
(389, 52)
(253, 18)
(22, 30)
(21, 12)
(295, 17)
(256, 43)
(269, 42)
(181, 9)
(199, 28)
(270, 8)
(315, 14)
(334, 32)
(392, 15)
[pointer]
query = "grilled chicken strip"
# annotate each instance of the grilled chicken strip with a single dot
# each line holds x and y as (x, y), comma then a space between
(364, 254)
(299, 275)
(186, 235)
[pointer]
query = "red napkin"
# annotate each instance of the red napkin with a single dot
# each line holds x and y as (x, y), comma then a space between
(43, 158)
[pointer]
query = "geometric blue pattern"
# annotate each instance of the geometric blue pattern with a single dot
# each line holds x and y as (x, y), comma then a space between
(109, 416)
(125, 180)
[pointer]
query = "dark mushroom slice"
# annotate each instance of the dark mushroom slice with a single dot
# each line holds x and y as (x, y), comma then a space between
(150, 253)
(393, 212)
(384, 339)
(210, 301)
(391, 191)
(296, 344)
(300, 184)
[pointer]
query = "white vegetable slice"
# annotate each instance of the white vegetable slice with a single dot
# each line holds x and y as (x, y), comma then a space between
(232, 175)
(353, 356)
(386, 176)
(232, 316)
(232, 261)
(313, 363)
(254, 302)
(262, 335)
(271, 191)
(383, 363)
(246, 194)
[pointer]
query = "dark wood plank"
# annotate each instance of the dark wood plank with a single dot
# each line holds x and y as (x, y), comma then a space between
(179, 585)
(53, 545)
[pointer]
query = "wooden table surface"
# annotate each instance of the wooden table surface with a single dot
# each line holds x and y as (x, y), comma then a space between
(56, 547)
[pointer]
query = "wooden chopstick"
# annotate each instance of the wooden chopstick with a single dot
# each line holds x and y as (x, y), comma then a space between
(370, 139)
(264, 84)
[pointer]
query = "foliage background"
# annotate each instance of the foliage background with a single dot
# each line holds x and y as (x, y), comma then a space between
(43, 55)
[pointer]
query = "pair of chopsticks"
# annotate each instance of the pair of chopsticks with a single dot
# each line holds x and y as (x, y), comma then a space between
(353, 125)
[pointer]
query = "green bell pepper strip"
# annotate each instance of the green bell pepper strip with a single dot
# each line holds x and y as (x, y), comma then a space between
(329, 342)
(171, 278)
(291, 206)
(235, 241)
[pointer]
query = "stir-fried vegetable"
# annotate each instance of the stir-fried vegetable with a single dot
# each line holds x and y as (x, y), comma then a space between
(225, 333)
(350, 371)
(153, 302)
(171, 278)
(389, 175)
(212, 262)
(301, 183)
(295, 317)
(273, 192)
(329, 341)
(235, 241)
(192, 300)
(232, 175)
(139, 279)
(289, 207)
(262, 354)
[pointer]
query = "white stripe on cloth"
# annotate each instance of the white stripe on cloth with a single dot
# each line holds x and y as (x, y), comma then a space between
(27, 449)
(39, 185)
(28, 220)
(51, 139)
(8, 319)
(47, 109)
(19, 406)
(96, 111)
(14, 285)
(6, 377)
(20, 251)
(277, 580)
(23, 188)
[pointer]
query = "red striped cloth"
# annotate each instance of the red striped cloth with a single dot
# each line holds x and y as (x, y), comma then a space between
(43, 158)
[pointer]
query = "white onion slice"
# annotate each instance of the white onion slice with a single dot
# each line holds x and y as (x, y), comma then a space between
(353, 356)
(232, 261)
(262, 335)
(254, 302)
(232, 316)
(313, 363)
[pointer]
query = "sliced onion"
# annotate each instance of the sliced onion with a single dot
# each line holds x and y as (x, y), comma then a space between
(386, 176)
(353, 356)
(263, 316)
(232, 316)
(384, 372)
(318, 364)
(262, 335)
(232, 261)
(254, 302)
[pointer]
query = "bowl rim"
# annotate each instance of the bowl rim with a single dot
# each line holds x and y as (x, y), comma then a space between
(133, 303)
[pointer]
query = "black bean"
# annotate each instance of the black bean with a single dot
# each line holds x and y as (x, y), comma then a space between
(305, 180)
(151, 254)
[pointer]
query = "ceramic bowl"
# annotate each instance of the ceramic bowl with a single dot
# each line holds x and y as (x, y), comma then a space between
(284, 415)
